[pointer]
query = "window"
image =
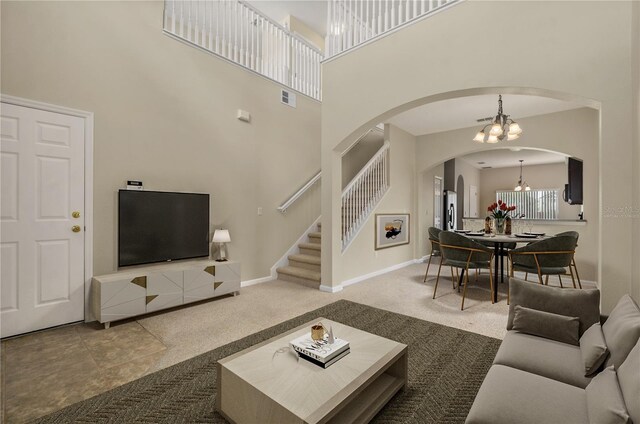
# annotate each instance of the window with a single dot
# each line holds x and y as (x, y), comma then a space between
(533, 204)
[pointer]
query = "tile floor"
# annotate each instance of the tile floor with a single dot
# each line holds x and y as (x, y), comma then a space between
(43, 372)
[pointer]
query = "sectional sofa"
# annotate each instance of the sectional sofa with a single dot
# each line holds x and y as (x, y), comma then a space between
(561, 362)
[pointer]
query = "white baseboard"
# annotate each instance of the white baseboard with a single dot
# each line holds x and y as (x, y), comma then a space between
(331, 289)
(381, 271)
(284, 260)
(256, 281)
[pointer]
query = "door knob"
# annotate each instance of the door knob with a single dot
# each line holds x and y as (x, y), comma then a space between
(75, 214)
(75, 228)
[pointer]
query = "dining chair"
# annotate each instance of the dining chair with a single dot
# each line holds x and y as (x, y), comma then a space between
(551, 256)
(461, 252)
(504, 253)
(573, 261)
(434, 234)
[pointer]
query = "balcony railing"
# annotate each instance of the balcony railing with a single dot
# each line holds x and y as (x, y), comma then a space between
(353, 22)
(243, 35)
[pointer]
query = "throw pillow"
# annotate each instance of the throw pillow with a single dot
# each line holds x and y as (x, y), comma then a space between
(584, 304)
(593, 349)
(621, 330)
(545, 324)
(605, 404)
(629, 379)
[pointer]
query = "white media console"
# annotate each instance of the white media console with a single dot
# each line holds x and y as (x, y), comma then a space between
(139, 290)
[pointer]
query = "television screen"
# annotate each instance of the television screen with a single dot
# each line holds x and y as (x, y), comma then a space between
(156, 226)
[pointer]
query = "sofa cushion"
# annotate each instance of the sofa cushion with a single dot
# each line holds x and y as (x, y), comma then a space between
(629, 379)
(593, 349)
(584, 304)
(621, 330)
(548, 358)
(509, 395)
(604, 399)
(556, 327)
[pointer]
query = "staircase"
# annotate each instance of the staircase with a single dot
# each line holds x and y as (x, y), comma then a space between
(304, 267)
(362, 195)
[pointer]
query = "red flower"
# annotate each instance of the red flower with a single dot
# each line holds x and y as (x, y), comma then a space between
(499, 201)
(503, 207)
(489, 209)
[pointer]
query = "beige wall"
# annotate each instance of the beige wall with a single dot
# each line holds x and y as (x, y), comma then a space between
(357, 157)
(165, 114)
(579, 51)
(549, 176)
(361, 256)
(636, 170)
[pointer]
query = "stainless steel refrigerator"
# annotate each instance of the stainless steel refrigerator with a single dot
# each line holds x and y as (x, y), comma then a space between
(449, 217)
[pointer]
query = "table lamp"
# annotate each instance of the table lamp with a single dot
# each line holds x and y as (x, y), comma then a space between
(221, 237)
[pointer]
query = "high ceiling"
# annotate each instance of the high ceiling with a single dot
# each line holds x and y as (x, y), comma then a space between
(509, 157)
(445, 115)
(464, 112)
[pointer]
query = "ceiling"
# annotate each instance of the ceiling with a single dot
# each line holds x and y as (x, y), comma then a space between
(444, 115)
(463, 112)
(312, 12)
(509, 157)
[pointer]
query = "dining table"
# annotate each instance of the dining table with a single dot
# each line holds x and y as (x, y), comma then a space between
(498, 241)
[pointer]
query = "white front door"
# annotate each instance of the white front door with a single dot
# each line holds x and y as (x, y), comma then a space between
(42, 216)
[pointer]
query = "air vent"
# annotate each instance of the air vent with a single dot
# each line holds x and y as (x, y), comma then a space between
(288, 98)
(481, 163)
(485, 119)
(487, 167)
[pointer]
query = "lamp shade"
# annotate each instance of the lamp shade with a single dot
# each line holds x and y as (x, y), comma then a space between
(496, 129)
(221, 236)
(479, 137)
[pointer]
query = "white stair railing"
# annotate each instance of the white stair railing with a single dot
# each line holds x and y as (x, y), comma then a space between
(363, 193)
(283, 207)
(353, 22)
(241, 34)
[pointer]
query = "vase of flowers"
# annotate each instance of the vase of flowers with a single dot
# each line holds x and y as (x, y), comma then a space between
(499, 211)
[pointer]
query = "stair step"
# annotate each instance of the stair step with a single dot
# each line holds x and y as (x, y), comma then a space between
(308, 259)
(315, 237)
(309, 262)
(312, 249)
(299, 275)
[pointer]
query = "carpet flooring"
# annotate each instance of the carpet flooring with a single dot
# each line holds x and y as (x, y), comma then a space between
(446, 369)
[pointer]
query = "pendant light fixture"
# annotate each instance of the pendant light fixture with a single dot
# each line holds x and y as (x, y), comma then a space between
(522, 185)
(501, 127)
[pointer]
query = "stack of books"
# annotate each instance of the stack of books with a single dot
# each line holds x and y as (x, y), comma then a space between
(321, 352)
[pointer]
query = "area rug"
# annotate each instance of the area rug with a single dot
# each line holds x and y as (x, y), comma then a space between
(446, 368)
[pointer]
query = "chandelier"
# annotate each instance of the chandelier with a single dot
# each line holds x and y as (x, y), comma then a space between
(502, 126)
(522, 185)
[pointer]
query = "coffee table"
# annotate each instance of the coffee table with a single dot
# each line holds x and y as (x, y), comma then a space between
(267, 383)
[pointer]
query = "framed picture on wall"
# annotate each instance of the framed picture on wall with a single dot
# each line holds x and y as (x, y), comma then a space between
(392, 229)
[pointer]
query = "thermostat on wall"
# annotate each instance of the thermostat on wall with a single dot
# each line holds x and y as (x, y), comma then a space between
(134, 185)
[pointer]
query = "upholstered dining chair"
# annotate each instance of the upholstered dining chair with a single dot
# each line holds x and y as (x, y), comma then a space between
(551, 256)
(434, 239)
(573, 261)
(461, 252)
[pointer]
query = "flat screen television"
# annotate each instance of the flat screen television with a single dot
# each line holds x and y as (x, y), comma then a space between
(158, 226)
